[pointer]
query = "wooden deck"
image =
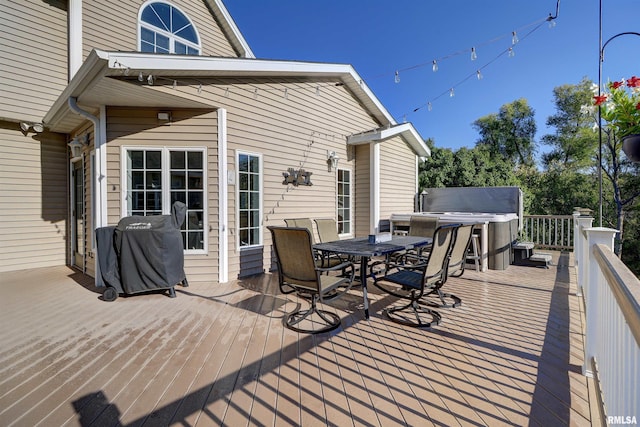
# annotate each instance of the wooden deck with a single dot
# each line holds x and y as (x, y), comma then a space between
(219, 355)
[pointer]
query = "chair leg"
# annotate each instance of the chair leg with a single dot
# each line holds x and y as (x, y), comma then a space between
(395, 315)
(455, 301)
(331, 320)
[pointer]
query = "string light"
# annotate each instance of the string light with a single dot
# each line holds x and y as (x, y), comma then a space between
(397, 77)
(434, 66)
(200, 88)
(150, 79)
(474, 56)
(429, 106)
(140, 77)
(479, 75)
(451, 93)
(512, 52)
(514, 38)
(175, 84)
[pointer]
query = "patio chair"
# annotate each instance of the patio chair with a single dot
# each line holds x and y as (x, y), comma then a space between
(323, 260)
(455, 268)
(419, 225)
(413, 281)
(299, 273)
(327, 230)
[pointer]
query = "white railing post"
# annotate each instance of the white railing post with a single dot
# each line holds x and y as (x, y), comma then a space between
(595, 236)
(581, 253)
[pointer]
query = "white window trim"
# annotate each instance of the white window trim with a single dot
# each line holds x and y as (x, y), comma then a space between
(351, 209)
(172, 37)
(166, 184)
(237, 198)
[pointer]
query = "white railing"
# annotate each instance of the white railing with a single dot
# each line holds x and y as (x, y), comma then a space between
(612, 321)
(548, 231)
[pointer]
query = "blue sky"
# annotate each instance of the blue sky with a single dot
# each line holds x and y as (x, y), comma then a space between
(379, 37)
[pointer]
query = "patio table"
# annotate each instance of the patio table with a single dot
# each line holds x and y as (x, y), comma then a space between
(360, 247)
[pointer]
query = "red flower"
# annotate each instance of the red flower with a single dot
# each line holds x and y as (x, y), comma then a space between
(615, 85)
(638, 106)
(599, 99)
(633, 82)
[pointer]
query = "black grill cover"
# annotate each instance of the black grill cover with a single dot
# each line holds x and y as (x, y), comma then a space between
(149, 252)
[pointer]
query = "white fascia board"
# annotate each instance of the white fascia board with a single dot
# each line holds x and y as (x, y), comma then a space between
(405, 130)
(217, 66)
(230, 26)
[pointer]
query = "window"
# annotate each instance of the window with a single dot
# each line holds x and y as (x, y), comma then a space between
(249, 199)
(158, 177)
(165, 29)
(344, 201)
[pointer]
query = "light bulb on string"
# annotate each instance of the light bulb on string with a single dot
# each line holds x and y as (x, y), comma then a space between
(479, 75)
(451, 93)
(255, 93)
(175, 84)
(514, 38)
(429, 106)
(512, 52)
(200, 88)
(140, 77)
(397, 77)
(150, 80)
(434, 66)
(474, 56)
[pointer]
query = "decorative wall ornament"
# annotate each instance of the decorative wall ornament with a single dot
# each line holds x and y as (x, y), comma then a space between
(297, 177)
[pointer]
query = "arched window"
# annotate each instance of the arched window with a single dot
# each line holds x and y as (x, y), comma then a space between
(165, 29)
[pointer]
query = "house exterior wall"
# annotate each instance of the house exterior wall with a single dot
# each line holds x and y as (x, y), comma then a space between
(363, 184)
(122, 19)
(34, 199)
(33, 57)
(136, 127)
(398, 176)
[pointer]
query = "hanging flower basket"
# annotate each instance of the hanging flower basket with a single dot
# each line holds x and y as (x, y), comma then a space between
(631, 147)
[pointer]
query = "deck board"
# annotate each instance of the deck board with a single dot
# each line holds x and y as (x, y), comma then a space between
(218, 354)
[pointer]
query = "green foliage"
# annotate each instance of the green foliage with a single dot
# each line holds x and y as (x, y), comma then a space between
(574, 143)
(509, 133)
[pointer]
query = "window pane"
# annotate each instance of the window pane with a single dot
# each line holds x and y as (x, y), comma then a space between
(244, 219)
(177, 160)
(179, 48)
(178, 180)
(178, 196)
(192, 51)
(255, 182)
(154, 160)
(163, 11)
(154, 180)
(154, 201)
(194, 159)
(243, 163)
(162, 43)
(243, 203)
(136, 159)
(255, 236)
(195, 200)
(255, 200)
(255, 165)
(150, 17)
(195, 180)
(148, 36)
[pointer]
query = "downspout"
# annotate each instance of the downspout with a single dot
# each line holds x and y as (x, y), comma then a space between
(100, 210)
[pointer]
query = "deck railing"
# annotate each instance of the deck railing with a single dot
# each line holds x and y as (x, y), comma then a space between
(612, 321)
(548, 231)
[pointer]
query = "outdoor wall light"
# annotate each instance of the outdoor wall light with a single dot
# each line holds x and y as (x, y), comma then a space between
(332, 160)
(37, 127)
(77, 144)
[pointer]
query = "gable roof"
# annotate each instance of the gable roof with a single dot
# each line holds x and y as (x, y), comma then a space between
(228, 26)
(93, 85)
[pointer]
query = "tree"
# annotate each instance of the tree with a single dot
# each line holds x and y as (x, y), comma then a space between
(509, 133)
(573, 143)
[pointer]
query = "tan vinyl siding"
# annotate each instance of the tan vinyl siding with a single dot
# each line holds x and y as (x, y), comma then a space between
(397, 177)
(293, 131)
(132, 127)
(33, 196)
(363, 184)
(33, 57)
(113, 25)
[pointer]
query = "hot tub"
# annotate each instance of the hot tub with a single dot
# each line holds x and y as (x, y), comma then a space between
(497, 231)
